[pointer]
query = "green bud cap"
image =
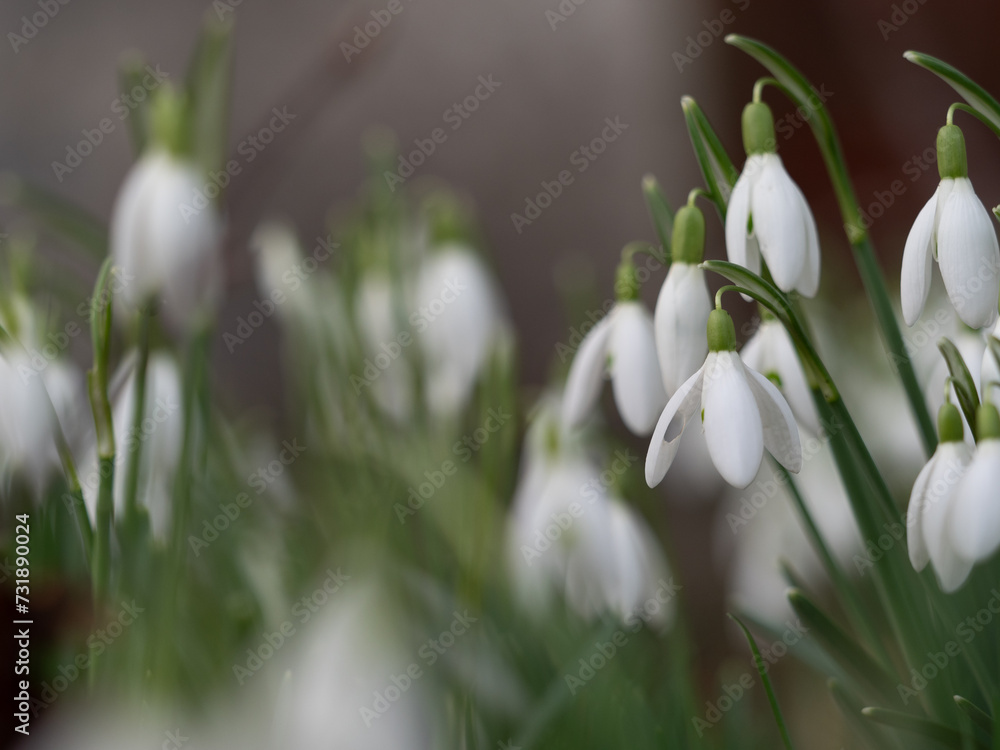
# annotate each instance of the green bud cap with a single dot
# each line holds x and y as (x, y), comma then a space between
(167, 120)
(758, 129)
(951, 158)
(688, 243)
(721, 332)
(950, 426)
(987, 422)
(626, 281)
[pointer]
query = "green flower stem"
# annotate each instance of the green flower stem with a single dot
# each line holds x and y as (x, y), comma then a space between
(848, 594)
(132, 468)
(800, 91)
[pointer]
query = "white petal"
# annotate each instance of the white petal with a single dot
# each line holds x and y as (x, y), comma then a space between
(781, 434)
(915, 277)
(738, 215)
(974, 518)
(635, 372)
(809, 281)
(944, 479)
(666, 436)
(794, 386)
(778, 223)
(919, 556)
(733, 429)
(969, 256)
(681, 319)
(586, 374)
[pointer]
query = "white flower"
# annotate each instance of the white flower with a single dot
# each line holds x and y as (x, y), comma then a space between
(770, 351)
(623, 344)
(955, 228)
(742, 411)
(679, 323)
(166, 246)
(930, 502)
(974, 515)
(459, 322)
(767, 206)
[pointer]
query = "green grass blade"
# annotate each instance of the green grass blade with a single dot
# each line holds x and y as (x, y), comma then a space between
(759, 663)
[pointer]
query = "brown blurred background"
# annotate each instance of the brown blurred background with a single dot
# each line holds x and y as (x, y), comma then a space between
(607, 59)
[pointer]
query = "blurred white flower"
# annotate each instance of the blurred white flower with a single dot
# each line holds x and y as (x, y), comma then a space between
(166, 248)
(459, 322)
(742, 412)
(768, 216)
(770, 352)
(679, 322)
(623, 344)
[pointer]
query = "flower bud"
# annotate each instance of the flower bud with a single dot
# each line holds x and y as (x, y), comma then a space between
(950, 427)
(758, 129)
(987, 422)
(626, 281)
(951, 158)
(688, 242)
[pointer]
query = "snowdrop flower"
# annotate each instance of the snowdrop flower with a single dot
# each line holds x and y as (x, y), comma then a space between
(955, 229)
(768, 215)
(459, 322)
(684, 303)
(933, 493)
(622, 344)
(974, 515)
(163, 239)
(770, 352)
(742, 411)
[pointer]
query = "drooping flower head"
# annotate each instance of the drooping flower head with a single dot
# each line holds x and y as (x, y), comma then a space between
(768, 215)
(955, 229)
(742, 412)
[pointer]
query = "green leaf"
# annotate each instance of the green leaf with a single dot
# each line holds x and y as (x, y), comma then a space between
(977, 97)
(851, 706)
(961, 378)
(762, 670)
(917, 725)
(716, 167)
(61, 217)
(209, 86)
(659, 211)
(974, 712)
(851, 657)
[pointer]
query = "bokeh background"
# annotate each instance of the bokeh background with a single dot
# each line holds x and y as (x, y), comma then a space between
(560, 77)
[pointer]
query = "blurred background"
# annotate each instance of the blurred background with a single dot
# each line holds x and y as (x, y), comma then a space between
(559, 71)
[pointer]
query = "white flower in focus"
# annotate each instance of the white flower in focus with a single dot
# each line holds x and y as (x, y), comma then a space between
(973, 521)
(458, 320)
(742, 412)
(679, 323)
(166, 248)
(954, 228)
(622, 344)
(768, 215)
(770, 352)
(930, 502)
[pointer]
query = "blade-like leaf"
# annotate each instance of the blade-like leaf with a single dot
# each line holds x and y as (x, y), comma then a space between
(917, 725)
(716, 166)
(961, 378)
(977, 97)
(762, 669)
(209, 86)
(130, 76)
(659, 211)
(974, 712)
(56, 214)
(851, 706)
